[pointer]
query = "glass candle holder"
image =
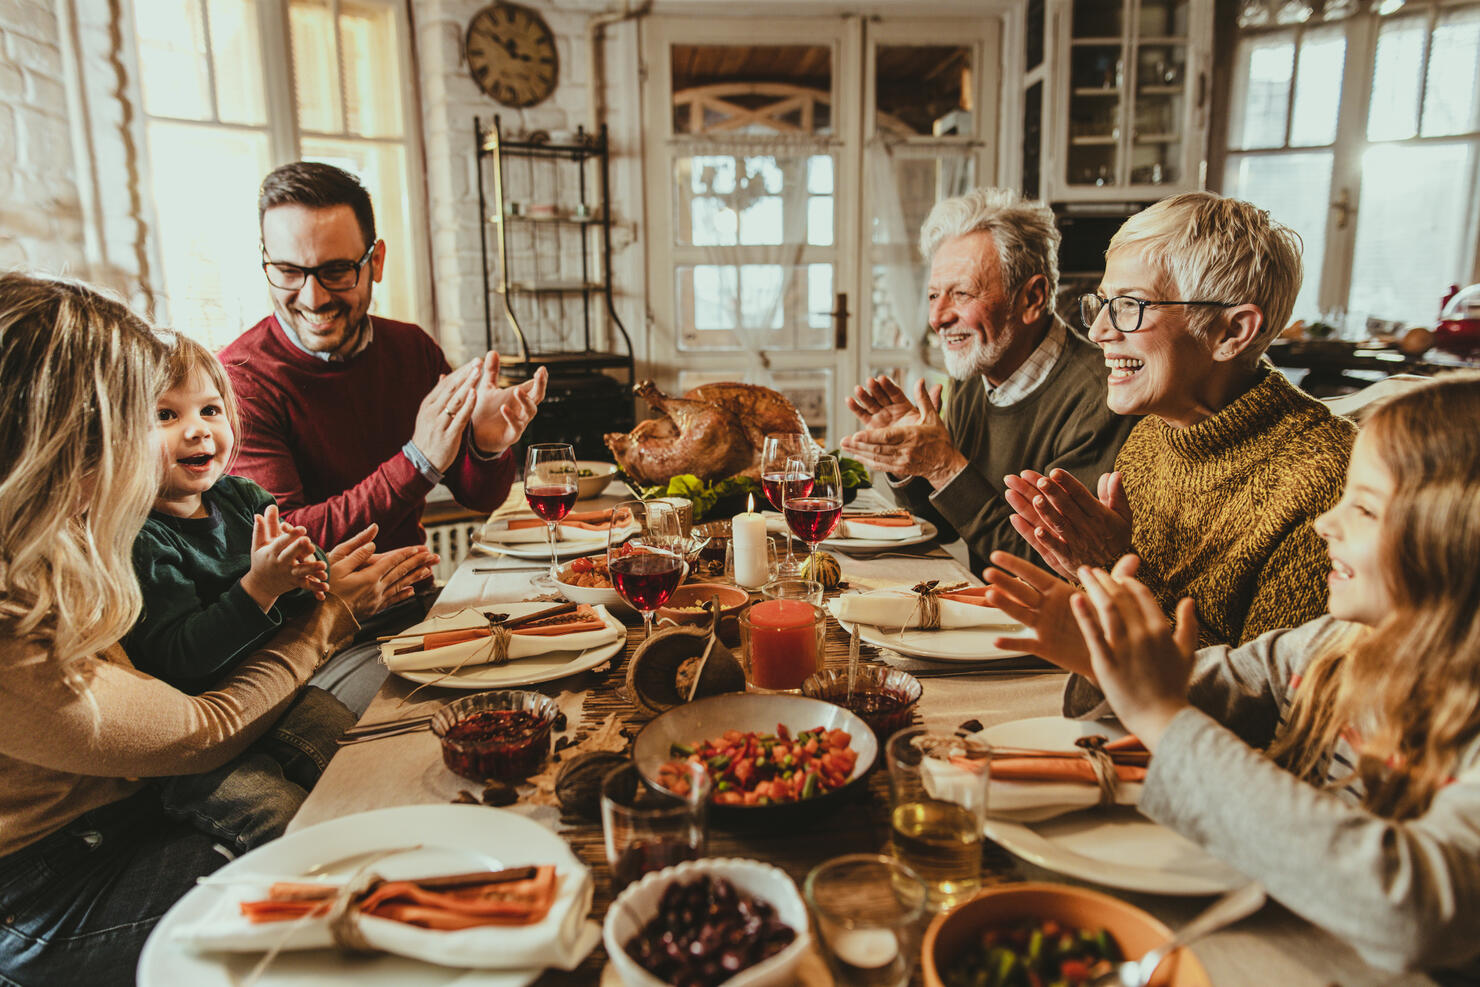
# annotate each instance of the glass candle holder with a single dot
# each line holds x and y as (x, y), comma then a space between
(869, 911)
(793, 588)
(781, 644)
(646, 830)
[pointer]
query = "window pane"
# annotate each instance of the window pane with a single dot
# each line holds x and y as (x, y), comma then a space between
(1318, 86)
(236, 54)
(714, 223)
(381, 168)
(208, 240)
(315, 66)
(752, 89)
(1450, 98)
(1262, 73)
(707, 295)
(923, 90)
(761, 303)
(820, 174)
(754, 200)
(820, 296)
(1394, 111)
(1296, 189)
(174, 75)
(372, 69)
(1413, 238)
(820, 221)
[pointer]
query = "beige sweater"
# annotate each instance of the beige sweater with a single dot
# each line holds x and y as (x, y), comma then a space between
(63, 752)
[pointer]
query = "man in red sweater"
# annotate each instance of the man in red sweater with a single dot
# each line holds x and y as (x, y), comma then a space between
(349, 419)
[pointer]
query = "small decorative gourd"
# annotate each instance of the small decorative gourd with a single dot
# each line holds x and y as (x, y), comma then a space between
(825, 569)
(681, 663)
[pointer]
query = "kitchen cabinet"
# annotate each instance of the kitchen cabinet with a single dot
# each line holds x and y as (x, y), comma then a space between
(1128, 95)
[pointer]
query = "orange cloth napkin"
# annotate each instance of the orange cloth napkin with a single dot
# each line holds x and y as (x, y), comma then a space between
(466, 906)
(1067, 768)
(589, 520)
(582, 620)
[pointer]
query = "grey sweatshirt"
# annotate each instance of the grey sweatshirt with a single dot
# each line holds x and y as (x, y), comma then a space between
(1405, 895)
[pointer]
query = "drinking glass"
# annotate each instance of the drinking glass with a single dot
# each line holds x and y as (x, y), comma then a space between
(646, 830)
(812, 500)
(550, 485)
(937, 805)
(778, 449)
(647, 567)
(868, 910)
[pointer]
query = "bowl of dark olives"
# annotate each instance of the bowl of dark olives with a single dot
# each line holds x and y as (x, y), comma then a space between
(706, 922)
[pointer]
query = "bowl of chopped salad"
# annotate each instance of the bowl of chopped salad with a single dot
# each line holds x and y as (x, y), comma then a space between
(774, 760)
(1041, 934)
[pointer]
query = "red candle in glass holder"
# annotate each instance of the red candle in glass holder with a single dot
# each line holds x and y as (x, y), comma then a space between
(783, 643)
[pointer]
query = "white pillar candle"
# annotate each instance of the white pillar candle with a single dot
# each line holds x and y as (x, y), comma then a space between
(748, 542)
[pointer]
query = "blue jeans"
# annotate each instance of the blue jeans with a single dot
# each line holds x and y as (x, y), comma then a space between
(77, 905)
(249, 800)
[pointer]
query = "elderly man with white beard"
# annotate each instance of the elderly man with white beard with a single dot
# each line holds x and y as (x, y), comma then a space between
(1025, 391)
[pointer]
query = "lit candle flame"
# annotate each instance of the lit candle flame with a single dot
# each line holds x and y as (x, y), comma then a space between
(750, 504)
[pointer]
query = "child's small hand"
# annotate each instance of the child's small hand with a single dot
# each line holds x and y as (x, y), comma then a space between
(1141, 663)
(282, 560)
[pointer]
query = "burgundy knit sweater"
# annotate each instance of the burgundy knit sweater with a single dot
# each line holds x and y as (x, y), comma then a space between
(325, 438)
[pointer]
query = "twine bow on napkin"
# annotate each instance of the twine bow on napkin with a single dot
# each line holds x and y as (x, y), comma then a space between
(927, 607)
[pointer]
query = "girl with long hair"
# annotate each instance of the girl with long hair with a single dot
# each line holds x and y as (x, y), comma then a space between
(1337, 762)
(88, 861)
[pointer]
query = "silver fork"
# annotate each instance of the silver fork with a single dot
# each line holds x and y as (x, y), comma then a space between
(1236, 904)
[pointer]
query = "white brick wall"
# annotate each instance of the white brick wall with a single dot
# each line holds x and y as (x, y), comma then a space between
(41, 225)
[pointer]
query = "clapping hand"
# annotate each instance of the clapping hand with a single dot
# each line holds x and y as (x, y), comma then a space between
(282, 559)
(503, 413)
(903, 437)
(1040, 600)
(1140, 663)
(368, 583)
(1065, 523)
(444, 414)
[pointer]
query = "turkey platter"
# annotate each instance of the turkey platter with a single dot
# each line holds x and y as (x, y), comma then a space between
(713, 431)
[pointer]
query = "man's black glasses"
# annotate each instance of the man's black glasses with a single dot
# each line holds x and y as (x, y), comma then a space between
(337, 275)
(1121, 307)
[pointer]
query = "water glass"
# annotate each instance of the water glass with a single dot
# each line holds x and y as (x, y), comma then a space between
(646, 830)
(869, 911)
(793, 589)
(937, 806)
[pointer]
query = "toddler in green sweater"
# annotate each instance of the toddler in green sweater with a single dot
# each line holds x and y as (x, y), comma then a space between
(220, 573)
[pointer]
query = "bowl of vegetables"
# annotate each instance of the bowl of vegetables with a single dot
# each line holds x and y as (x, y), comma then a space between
(1046, 933)
(593, 477)
(775, 760)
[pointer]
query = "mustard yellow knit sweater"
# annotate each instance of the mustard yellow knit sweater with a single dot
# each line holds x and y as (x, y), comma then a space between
(1223, 511)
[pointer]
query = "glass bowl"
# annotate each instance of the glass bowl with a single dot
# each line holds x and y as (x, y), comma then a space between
(485, 737)
(883, 697)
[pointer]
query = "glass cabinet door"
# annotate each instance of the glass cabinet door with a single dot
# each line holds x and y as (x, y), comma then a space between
(1096, 92)
(1160, 61)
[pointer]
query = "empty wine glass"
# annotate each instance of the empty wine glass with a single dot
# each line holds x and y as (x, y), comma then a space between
(644, 553)
(813, 501)
(550, 486)
(778, 449)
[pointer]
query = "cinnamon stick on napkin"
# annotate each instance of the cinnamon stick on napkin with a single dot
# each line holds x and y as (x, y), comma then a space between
(1127, 754)
(582, 620)
(521, 896)
(588, 520)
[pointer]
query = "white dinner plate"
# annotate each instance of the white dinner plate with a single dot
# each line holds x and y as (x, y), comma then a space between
(541, 550)
(966, 644)
(523, 671)
(775, 523)
(1119, 847)
(466, 838)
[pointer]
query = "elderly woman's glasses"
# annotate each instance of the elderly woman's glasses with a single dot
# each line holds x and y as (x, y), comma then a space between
(337, 275)
(1126, 312)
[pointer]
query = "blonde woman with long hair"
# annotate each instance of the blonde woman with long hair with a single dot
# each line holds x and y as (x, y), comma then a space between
(1362, 811)
(88, 862)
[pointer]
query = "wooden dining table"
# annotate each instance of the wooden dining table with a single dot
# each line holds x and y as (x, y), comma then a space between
(1273, 947)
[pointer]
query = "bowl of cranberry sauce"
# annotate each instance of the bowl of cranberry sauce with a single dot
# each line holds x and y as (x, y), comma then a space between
(882, 697)
(500, 736)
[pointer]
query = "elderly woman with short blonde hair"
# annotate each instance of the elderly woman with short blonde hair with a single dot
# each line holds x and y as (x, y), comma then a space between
(1217, 487)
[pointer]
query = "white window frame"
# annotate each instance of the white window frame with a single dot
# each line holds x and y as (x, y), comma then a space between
(1351, 142)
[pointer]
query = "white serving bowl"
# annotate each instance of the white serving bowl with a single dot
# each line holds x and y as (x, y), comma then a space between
(593, 485)
(636, 905)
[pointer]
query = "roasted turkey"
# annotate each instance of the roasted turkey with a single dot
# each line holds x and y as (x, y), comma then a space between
(713, 431)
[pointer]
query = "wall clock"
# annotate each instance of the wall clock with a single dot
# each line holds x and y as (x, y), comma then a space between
(511, 54)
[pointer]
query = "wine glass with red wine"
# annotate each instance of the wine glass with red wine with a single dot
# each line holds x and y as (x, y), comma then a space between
(812, 500)
(644, 554)
(550, 486)
(779, 448)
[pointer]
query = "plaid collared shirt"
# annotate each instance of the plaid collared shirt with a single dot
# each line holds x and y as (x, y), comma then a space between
(1025, 379)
